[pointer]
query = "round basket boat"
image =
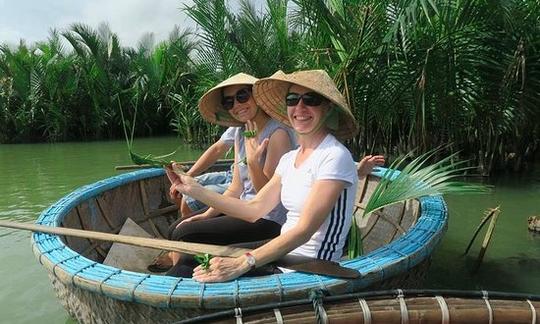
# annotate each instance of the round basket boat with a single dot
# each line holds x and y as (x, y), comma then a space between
(389, 307)
(398, 241)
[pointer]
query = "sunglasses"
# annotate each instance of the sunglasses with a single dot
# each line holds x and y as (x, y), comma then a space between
(312, 99)
(242, 96)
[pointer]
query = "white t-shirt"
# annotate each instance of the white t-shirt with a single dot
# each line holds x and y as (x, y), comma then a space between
(228, 136)
(329, 161)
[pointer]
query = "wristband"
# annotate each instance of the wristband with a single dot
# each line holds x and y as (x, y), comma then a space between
(251, 261)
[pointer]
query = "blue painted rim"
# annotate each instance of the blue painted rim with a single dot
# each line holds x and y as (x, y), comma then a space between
(395, 258)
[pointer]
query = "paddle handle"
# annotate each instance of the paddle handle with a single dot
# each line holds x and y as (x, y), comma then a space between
(160, 244)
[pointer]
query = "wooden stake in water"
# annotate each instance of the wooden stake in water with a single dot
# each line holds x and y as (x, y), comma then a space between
(492, 215)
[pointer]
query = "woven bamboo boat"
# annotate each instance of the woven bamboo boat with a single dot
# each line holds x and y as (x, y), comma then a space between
(398, 242)
(388, 307)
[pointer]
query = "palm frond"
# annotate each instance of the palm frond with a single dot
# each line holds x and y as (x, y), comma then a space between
(416, 179)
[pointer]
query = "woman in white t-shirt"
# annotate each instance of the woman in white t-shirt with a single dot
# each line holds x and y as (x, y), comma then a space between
(316, 182)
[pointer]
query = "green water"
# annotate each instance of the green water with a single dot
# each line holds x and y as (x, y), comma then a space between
(34, 176)
(31, 178)
(512, 261)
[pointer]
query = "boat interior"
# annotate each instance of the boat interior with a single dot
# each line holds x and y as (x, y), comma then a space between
(147, 203)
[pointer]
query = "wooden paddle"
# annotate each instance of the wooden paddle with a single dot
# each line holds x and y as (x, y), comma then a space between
(307, 265)
(176, 246)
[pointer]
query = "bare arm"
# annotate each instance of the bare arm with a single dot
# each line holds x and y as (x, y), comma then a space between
(208, 158)
(278, 144)
(250, 211)
(234, 190)
(319, 203)
(228, 203)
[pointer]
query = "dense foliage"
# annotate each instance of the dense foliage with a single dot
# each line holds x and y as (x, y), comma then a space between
(417, 73)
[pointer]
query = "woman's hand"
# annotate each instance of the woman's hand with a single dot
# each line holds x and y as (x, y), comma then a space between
(221, 269)
(173, 172)
(180, 183)
(205, 215)
(366, 165)
(254, 150)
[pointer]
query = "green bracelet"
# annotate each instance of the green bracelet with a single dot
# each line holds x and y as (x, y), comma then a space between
(250, 134)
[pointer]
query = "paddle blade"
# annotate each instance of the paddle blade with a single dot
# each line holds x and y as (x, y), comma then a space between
(321, 267)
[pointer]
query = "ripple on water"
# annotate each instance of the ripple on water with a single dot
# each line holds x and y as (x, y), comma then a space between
(20, 215)
(49, 172)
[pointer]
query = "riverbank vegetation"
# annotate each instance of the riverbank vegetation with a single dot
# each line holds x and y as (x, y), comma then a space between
(417, 74)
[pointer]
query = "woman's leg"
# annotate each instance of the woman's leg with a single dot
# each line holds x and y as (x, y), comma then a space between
(185, 209)
(223, 230)
(215, 181)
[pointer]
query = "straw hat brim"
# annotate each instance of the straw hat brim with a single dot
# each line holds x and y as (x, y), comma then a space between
(270, 96)
(210, 102)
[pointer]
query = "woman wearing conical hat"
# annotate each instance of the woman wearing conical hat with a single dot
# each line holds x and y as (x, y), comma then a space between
(316, 182)
(259, 144)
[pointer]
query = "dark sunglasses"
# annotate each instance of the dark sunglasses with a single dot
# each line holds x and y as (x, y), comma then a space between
(312, 99)
(242, 96)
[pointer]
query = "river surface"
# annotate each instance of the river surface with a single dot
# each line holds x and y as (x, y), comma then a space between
(34, 176)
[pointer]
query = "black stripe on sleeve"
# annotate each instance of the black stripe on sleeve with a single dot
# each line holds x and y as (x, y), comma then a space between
(341, 222)
(322, 253)
(334, 229)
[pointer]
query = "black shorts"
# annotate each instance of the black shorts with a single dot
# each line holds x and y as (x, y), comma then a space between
(223, 230)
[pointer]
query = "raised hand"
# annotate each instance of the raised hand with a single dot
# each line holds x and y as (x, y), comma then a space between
(180, 182)
(174, 178)
(367, 163)
(171, 174)
(254, 150)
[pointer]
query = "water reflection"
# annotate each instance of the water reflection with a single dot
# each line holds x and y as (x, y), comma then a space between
(32, 177)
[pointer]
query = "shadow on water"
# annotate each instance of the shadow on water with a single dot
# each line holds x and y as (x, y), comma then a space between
(504, 274)
(512, 260)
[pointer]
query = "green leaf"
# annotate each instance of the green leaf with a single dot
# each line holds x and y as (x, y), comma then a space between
(416, 179)
(203, 260)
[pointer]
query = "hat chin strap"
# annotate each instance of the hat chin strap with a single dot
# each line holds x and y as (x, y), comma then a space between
(257, 112)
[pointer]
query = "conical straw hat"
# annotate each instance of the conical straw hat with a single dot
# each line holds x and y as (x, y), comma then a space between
(210, 102)
(270, 95)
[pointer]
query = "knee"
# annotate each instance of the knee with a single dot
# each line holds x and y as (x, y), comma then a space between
(185, 210)
(184, 232)
(178, 201)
